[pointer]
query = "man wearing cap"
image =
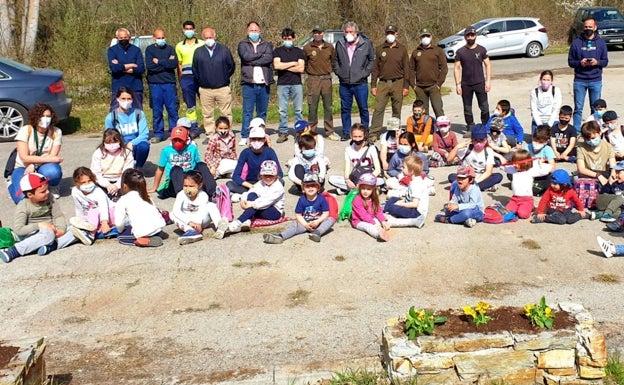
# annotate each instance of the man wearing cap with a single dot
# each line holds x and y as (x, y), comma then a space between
(353, 64)
(185, 51)
(614, 134)
(390, 79)
(161, 62)
(429, 68)
(469, 78)
(588, 56)
(213, 66)
(319, 57)
(289, 63)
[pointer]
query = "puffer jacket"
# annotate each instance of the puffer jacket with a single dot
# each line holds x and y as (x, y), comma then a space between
(361, 65)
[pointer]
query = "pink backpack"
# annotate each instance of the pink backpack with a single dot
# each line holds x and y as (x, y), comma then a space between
(224, 203)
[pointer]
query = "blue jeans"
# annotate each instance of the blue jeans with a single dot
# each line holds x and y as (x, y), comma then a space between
(189, 95)
(140, 151)
(580, 89)
(163, 95)
(397, 211)
(52, 171)
(460, 216)
(254, 96)
(284, 93)
(347, 93)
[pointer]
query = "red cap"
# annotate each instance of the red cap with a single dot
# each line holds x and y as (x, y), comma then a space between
(31, 181)
(180, 133)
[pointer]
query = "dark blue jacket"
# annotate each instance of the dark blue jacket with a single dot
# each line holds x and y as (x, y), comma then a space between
(357, 70)
(582, 48)
(119, 78)
(261, 57)
(164, 71)
(216, 71)
(253, 161)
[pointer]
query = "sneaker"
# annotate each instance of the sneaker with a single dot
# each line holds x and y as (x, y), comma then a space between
(441, 218)
(272, 239)
(242, 142)
(535, 219)
(81, 224)
(246, 226)
(591, 215)
(9, 254)
(333, 137)
(432, 191)
(190, 236)
(152, 241)
(607, 247)
(234, 226)
(47, 249)
(345, 138)
(206, 140)
(82, 235)
(315, 236)
(470, 222)
(383, 236)
(155, 140)
(281, 138)
(235, 198)
(607, 218)
(222, 227)
(493, 188)
(615, 226)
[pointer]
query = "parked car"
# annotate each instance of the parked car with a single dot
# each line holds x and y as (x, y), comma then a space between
(610, 24)
(503, 36)
(331, 36)
(21, 87)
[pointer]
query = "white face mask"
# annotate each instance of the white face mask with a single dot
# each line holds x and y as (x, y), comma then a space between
(390, 38)
(210, 43)
(444, 129)
(350, 38)
(125, 104)
(44, 121)
(256, 145)
(426, 40)
(537, 147)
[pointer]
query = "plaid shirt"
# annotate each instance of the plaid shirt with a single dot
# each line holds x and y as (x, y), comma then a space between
(220, 148)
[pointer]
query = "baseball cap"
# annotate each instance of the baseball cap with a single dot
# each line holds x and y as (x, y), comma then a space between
(609, 116)
(313, 179)
(600, 103)
(318, 28)
(180, 133)
(443, 121)
(392, 28)
(31, 181)
(268, 167)
(425, 32)
(478, 132)
(470, 30)
(394, 124)
(256, 122)
(465, 172)
(560, 176)
(184, 122)
(257, 132)
(301, 125)
(367, 179)
(497, 123)
(619, 166)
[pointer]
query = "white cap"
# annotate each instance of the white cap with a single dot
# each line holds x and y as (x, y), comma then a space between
(257, 132)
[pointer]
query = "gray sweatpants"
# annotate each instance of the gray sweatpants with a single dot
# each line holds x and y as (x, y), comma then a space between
(43, 237)
(297, 228)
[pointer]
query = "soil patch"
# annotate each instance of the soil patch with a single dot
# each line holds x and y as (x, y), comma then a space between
(504, 318)
(6, 353)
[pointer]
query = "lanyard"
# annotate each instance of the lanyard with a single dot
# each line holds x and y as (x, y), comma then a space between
(39, 148)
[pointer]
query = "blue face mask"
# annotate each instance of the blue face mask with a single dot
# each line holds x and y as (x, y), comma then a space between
(161, 42)
(253, 36)
(594, 142)
(308, 154)
(599, 113)
(404, 149)
(189, 34)
(288, 43)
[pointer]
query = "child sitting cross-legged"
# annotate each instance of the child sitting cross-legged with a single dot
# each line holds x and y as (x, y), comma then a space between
(307, 161)
(412, 209)
(466, 205)
(556, 203)
(311, 214)
(367, 214)
(524, 170)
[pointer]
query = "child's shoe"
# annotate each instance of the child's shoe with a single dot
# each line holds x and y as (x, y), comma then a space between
(82, 235)
(441, 218)
(272, 239)
(607, 247)
(152, 241)
(47, 249)
(9, 254)
(246, 226)
(615, 226)
(189, 237)
(470, 222)
(222, 227)
(607, 218)
(81, 224)
(591, 215)
(234, 226)
(315, 236)
(235, 198)
(535, 219)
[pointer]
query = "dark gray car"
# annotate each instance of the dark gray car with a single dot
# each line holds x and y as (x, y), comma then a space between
(610, 24)
(21, 87)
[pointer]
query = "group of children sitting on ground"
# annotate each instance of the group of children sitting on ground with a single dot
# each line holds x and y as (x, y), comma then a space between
(112, 198)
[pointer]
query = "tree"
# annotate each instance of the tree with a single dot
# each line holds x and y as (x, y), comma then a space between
(25, 32)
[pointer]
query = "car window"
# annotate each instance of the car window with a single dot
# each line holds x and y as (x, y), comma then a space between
(529, 23)
(515, 25)
(16, 65)
(495, 27)
(608, 15)
(3, 76)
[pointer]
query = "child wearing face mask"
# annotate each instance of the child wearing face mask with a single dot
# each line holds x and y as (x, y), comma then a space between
(563, 136)
(220, 156)
(307, 161)
(497, 141)
(302, 127)
(541, 153)
(444, 140)
(193, 211)
(94, 211)
(614, 134)
(109, 161)
(421, 125)
(595, 157)
(389, 142)
(513, 129)
(397, 186)
(600, 107)
(176, 159)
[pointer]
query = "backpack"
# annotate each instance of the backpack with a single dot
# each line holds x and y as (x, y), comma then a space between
(552, 89)
(333, 204)
(7, 237)
(497, 213)
(347, 206)
(224, 203)
(587, 190)
(116, 118)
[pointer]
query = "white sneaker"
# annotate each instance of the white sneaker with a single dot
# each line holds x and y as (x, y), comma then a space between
(81, 224)
(432, 191)
(235, 226)
(235, 198)
(470, 222)
(222, 227)
(82, 235)
(246, 226)
(607, 247)
(242, 142)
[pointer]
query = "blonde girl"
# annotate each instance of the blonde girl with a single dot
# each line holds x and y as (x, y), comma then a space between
(367, 214)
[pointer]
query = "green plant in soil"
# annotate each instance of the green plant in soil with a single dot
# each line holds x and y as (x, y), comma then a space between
(478, 313)
(419, 322)
(540, 314)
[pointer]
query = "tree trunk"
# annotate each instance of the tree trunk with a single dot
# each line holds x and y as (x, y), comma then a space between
(30, 32)
(6, 45)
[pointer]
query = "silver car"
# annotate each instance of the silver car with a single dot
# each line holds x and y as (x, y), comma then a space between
(503, 36)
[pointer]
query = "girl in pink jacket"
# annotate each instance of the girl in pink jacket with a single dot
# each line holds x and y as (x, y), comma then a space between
(367, 213)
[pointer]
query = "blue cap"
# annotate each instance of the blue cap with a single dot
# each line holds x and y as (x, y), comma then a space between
(619, 166)
(560, 176)
(478, 132)
(301, 125)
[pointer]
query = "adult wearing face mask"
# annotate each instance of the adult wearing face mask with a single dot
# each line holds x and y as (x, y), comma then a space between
(185, 51)
(588, 56)
(354, 62)
(256, 56)
(429, 68)
(213, 66)
(289, 63)
(319, 58)
(390, 79)
(162, 63)
(38, 149)
(127, 67)
(545, 101)
(470, 80)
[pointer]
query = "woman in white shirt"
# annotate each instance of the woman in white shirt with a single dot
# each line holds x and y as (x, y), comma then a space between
(545, 101)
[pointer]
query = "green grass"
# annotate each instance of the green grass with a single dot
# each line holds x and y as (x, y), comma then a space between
(557, 49)
(615, 369)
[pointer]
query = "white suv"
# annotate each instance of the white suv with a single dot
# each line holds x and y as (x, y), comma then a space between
(503, 36)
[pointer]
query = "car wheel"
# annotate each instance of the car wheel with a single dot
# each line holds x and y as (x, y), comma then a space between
(12, 117)
(534, 49)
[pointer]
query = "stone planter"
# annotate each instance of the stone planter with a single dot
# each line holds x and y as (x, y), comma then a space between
(577, 355)
(26, 366)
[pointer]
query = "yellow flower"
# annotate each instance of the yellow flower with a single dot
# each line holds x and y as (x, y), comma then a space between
(528, 308)
(548, 312)
(482, 307)
(468, 310)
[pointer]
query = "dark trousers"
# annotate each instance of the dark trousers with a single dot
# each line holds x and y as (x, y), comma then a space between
(176, 181)
(492, 180)
(562, 217)
(270, 213)
(399, 211)
(467, 93)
